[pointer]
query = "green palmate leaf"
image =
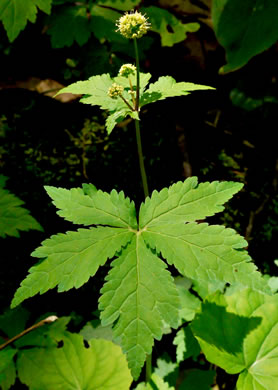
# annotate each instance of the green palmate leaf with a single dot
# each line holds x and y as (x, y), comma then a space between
(186, 202)
(13, 217)
(101, 366)
(140, 293)
(255, 31)
(204, 252)
(166, 87)
(162, 21)
(71, 259)
(15, 13)
(69, 24)
(239, 333)
(97, 208)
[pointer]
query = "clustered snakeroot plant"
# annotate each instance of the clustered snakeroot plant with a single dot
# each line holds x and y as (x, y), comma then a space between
(139, 295)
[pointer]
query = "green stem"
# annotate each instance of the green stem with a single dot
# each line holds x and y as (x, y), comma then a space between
(137, 75)
(141, 159)
(142, 170)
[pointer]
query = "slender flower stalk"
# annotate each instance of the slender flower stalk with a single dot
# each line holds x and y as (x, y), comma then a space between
(137, 75)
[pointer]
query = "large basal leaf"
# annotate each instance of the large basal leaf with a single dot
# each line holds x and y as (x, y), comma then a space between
(71, 259)
(239, 333)
(204, 252)
(139, 293)
(186, 202)
(254, 31)
(171, 29)
(69, 24)
(73, 366)
(98, 208)
(15, 13)
(14, 217)
(166, 87)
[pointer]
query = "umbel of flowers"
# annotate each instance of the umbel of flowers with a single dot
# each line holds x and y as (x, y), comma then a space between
(133, 25)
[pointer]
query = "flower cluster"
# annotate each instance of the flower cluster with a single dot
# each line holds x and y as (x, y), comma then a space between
(133, 25)
(115, 90)
(127, 70)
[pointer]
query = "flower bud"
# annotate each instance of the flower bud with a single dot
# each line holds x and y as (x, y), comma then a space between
(127, 70)
(133, 25)
(115, 90)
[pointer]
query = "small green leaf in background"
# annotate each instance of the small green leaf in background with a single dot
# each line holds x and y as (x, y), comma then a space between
(90, 332)
(155, 383)
(168, 26)
(166, 369)
(12, 322)
(73, 366)
(187, 344)
(7, 368)
(239, 333)
(198, 379)
(244, 28)
(69, 24)
(123, 5)
(13, 217)
(15, 13)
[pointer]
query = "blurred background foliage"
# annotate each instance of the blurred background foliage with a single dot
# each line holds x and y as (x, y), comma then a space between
(226, 134)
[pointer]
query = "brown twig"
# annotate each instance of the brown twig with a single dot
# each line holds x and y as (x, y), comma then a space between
(47, 320)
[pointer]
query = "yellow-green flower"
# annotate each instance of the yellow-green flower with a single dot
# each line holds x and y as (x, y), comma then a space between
(133, 25)
(127, 70)
(115, 90)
